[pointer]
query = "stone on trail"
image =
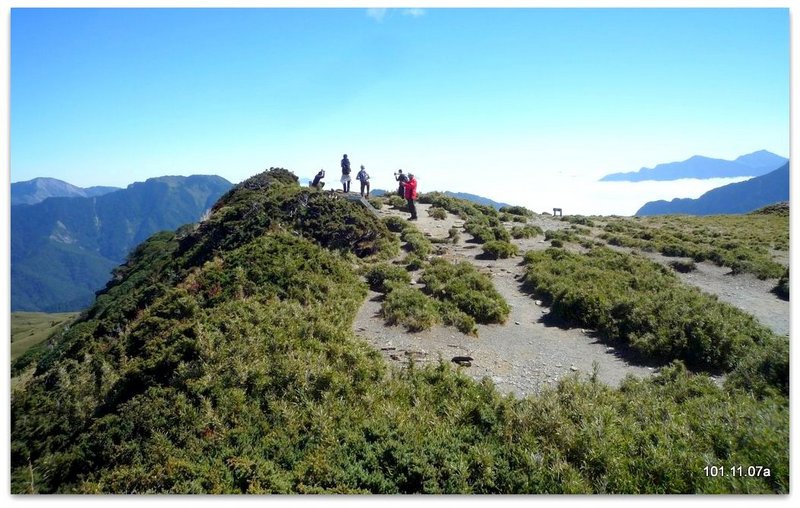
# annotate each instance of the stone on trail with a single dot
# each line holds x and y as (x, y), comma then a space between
(464, 361)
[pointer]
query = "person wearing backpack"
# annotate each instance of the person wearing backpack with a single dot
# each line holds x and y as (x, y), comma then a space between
(401, 180)
(410, 188)
(363, 177)
(345, 173)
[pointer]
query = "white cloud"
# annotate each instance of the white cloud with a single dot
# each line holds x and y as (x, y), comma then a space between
(414, 12)
(377, 14)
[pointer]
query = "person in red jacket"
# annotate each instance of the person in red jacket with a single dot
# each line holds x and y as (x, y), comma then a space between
(411, 194)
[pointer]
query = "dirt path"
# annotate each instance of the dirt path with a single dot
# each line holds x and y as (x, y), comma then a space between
(528, 352)
(521, 356)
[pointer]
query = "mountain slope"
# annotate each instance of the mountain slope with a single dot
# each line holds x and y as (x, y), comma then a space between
(37, 190)
(221, 359)
(741, 197)
(754, 164)
(63, 249)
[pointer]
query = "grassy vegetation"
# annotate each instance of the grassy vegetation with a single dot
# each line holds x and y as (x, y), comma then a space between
(437, 213)
(562, 235)
(632, 300)
(456, 295)
(782, 289)
(397, 202)
(453, 235)
(416, 242)
(526, 231)
(579, 219)
(464, 209)
(516, 210)
(498, 249)
(739, 242)
(30, 328)
(222, 360)
(465, 287)
(379, 276)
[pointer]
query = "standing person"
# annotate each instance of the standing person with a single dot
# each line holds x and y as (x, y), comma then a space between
(345, 173)
(363, 177)
(318, 183)
(411, 194)
(401, 180)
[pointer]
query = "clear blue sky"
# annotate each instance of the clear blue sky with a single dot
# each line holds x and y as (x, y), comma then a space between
(490, 101)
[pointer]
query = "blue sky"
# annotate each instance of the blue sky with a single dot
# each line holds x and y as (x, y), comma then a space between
(529, 106)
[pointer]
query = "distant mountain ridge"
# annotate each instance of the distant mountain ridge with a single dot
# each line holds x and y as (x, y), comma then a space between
(63, 248)
(741, 197)
(753, 164)
(37, 190)
(474, 198)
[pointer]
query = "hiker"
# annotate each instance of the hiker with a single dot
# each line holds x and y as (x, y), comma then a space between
(363, 177)
(401, 179)
(317, 180)
(410, 188)
(345, 173)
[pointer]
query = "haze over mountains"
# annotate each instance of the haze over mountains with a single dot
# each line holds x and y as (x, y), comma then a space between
(753, 164)
(741, 197)
(64, 248)
(37, 190)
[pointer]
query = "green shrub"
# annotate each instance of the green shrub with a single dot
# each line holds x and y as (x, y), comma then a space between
(469, 290)
(416, 242)
(453, 235)
(782, 289)
(462, 321)
(437, 213)
(501, 234)
(397, 202)
(527, 231)
(395, 224)
(498, 249)
(555, 242)
(740, 242)
(578, 219)
(482, 234)
(630, 299)
(563, 235)
(413, 262)
(376, 202)
(409, 307)
(382, 274)
(516, 210)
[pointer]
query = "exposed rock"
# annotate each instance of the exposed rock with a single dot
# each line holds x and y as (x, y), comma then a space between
(464, 361)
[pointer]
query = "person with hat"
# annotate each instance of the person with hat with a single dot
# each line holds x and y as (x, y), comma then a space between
(410, 188)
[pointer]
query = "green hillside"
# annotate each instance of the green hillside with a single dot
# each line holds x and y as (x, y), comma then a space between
(64, 248)
(220, 358)
(31, 328)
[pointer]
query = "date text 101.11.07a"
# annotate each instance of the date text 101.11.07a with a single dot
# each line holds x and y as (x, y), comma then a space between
(717, 471)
